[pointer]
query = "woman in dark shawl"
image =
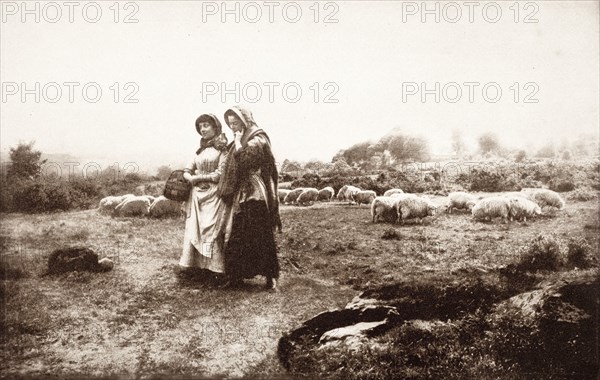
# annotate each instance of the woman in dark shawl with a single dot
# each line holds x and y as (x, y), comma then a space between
(248, 188)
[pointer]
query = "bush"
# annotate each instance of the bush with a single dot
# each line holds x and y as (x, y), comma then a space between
(487, 180)
(562, 186)
(577, 255)
(56, 194)
(582, 195)
(545, 252)
(308, 180)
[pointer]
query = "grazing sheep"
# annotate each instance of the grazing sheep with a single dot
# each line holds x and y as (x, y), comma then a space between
(108, 204)
(281, 194)
(351, 192)
(409, 207)
(293, 195)
(489, 208)
(326, 194)
(460, 201)
(131, 206)
(384, 208)
(307, 196)
(521, 208)
(545, 198)
(364, 196)
(162, 206)
(341, 195)
(392, 191)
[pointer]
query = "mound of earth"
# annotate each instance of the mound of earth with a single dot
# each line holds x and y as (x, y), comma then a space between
(552, 325)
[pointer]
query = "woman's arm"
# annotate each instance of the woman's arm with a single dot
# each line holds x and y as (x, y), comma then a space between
(213, 177)
(188, 170)
(251, 156)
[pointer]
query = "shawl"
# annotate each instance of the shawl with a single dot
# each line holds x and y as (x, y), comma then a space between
(219, 142)
(236, 169)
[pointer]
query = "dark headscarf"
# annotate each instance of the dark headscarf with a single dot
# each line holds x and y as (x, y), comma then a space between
(219, 141)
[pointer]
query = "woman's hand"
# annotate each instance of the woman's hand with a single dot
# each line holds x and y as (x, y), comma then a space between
(188, 177)
(238, 139)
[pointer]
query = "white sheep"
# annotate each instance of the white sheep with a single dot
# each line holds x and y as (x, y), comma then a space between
(164, 207)
(545, 198)
(326, 194)
(281, 194)
(364, 196)
(341, 195)
(392, 191)
(460, 201)
(351, 191)
(411, 206)
(108, 204)
(137, 205)
(384, 208)
(489, 208)
(308, 196)
(522, 208)
(293, 195)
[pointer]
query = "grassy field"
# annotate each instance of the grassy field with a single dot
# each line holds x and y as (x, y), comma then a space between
(142, 320)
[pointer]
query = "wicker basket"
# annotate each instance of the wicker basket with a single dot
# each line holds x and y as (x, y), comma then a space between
(177, 188)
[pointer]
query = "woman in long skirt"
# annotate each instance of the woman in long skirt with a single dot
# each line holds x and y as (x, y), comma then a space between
(248, 188)
(202, 245)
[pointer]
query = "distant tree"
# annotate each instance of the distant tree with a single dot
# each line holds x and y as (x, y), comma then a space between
(25, 161)
(408, 148)
(357, 153)
(488, 143)
(586, 144)
(315, 165)
(520, 156)
(290, 166)
(548, 151)
(341, 167)
(458, 145)
(163, 172)
(339, 155)
(567, 155)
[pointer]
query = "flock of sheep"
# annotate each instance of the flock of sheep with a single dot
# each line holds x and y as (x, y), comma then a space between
(139, 205)
(396, 206)
(393, 206)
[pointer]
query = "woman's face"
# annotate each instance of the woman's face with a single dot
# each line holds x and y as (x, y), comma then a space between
(235, 123)
(207, 130)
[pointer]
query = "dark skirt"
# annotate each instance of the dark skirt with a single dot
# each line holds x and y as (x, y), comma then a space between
(251, 249)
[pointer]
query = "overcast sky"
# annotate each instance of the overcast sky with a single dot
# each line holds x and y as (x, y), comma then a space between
(353, 74)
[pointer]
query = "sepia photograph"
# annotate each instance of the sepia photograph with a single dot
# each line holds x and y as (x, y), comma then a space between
(347, 189)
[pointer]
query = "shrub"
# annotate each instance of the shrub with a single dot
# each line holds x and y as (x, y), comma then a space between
(577, 255)
(582, 195)
(561, 186)
(481, 179)
(545, 252)
(308, 180)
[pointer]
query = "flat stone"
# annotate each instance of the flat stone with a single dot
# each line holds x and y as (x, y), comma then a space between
(358, 329)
